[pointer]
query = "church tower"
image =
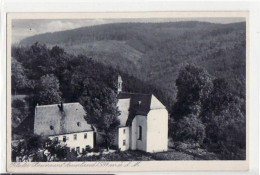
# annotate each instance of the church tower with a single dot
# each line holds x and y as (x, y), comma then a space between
(119, 84)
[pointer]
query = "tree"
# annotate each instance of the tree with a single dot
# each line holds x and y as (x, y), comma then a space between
(56, 150)
(48, 91)
(220, 97)
(19, 111)
(19, 79)
(225, 122)
(38, 149)
(28, 148)
(189, 130)
(104, 116)
(193, 84)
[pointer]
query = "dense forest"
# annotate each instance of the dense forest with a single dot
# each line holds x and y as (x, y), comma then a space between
(154, 52)
(196, 69)
(48, 76)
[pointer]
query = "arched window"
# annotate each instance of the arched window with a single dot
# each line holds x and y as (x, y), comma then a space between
(140, 133)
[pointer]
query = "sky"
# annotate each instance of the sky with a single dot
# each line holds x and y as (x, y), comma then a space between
(23, 28)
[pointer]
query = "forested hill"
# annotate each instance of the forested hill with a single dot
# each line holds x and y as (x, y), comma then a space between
(154, 52)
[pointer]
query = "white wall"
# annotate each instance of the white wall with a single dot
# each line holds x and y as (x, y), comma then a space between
(133, 135)
(157, 130)
(123, 106)
(123, 136)
(80, 142)
(136, 144)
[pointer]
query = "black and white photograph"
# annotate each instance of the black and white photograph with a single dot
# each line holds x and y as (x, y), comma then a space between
(128, 89)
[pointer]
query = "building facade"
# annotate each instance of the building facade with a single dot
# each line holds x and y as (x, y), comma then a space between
(143, 122)
(64, 123)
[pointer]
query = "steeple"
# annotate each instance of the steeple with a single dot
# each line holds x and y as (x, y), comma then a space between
(119, 84)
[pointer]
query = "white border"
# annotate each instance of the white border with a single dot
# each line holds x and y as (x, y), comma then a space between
(133, 6)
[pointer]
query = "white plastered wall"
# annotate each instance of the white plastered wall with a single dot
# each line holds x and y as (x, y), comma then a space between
(157, 130)
(123, 134)
(80, 142)
(136, 144)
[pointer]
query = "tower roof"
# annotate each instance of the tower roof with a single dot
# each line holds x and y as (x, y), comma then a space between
(120, 79)
(132, 104)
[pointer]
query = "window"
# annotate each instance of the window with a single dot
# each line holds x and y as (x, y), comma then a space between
(47, 143)
(51, 127)
(78, 123)
(78, 149)
(64, 138)
(56, 139)
(85, 136)
(124, 142)
(124, 131)
(75, 136)
(140, 133)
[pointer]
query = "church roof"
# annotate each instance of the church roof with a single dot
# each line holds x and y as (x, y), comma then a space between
(50, 120)
(132, 104)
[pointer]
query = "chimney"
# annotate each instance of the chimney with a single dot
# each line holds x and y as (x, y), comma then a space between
(61, 106)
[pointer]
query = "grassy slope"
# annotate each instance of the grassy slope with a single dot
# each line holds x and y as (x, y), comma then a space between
(171, 154)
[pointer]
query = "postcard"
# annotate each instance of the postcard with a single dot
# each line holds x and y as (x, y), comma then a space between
(127, 92)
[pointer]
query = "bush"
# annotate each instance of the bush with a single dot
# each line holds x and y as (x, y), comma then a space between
(71, 155)
(97, 149)
(190, 130)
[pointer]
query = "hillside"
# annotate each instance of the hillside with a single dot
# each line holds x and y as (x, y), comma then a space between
(153, 52)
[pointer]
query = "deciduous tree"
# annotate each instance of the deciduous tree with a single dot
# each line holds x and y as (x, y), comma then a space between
(48, 90)
(19, 79)
(194, 85)
(105, 114)
(225, 122)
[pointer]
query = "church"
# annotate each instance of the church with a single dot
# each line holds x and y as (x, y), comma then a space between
(143, 123)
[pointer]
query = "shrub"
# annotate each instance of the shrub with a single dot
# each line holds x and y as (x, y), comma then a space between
(190, 130)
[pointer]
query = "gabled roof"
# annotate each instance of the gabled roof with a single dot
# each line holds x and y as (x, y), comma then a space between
(132, 104)
(50, 120)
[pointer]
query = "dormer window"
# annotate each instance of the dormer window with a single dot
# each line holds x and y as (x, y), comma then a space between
(51, 127)
(78, 123)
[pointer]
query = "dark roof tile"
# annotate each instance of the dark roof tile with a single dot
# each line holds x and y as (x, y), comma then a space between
(138, 104)
(49, 120)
